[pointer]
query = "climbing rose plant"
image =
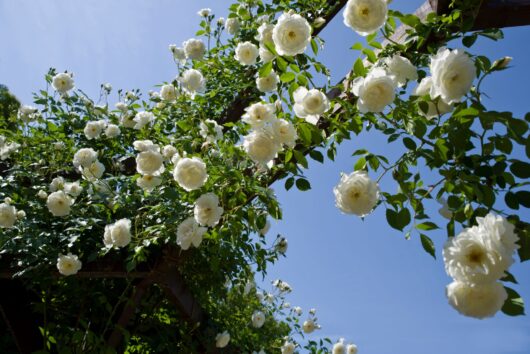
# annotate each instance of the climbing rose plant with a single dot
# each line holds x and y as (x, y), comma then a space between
(189, 167)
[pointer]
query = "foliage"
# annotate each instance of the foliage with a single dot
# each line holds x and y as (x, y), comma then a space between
(471, 157)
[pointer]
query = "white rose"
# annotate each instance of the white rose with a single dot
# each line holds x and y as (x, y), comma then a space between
(211, 131)
(265, 55)
(94, 171)
(21, 214)
(42, 194)
(310, 104)
(145, 145)
(59, 145)
(8, 215)
(127, 121)
(168, 152)
(221, 21)
(265, 33)
(189, 233)
(63, 82)
(192, 81)
(261, 146)
(268, 83)
(57, 184)
(84, 157)
(232, 25)
(401, 68)
(118, 235)
(178, 53)
(190, 173)
(246, 53)
(150, 162)
(434, 110)
(93, 129)
(479, 301)
(168, 93)
(222, 339)
(74, 189)
(500, 233)
(375, 91)
(59, 203)
(112, 131)
(207, 211)
(356, 194)
(471, 257)
(258, 319)
(288, 348)
(142, 119)
(365, 16)
(69, 264)
(284, 132)
(194, 48)
(204, 12)
(258, 114)
(453, 73)
(291, 35)
(121, 106)
(27, 113)
(309, 326)
(351, 349)
(148, 182)
(339, 347)
(298, 310)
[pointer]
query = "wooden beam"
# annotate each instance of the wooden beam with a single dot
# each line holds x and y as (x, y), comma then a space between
(503, 13)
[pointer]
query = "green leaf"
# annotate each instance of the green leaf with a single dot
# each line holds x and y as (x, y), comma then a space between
(428, 245)
(358, 67)
(524, 243)
(287, 77)
(265, 70)
(317, 156)
(520, 169)
(511, 200)
(360, 164)
(427, 226)
(469, 40)
(509, 277)
(357, 46)
(289, 183)
(514, 305)
(303, 184)
(314, 46)
(409, 143)
(398, 220)
(523, 197)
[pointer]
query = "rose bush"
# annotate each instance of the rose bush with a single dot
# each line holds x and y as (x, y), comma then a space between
(183, 176)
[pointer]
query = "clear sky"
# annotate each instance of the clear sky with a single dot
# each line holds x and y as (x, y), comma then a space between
(368, 283)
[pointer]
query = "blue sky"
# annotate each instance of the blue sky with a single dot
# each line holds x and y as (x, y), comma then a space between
(368, 283)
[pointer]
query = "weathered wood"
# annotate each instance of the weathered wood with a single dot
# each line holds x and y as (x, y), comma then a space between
(503, 13)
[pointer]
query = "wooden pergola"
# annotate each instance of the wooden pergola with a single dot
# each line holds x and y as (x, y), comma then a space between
(15, 299)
